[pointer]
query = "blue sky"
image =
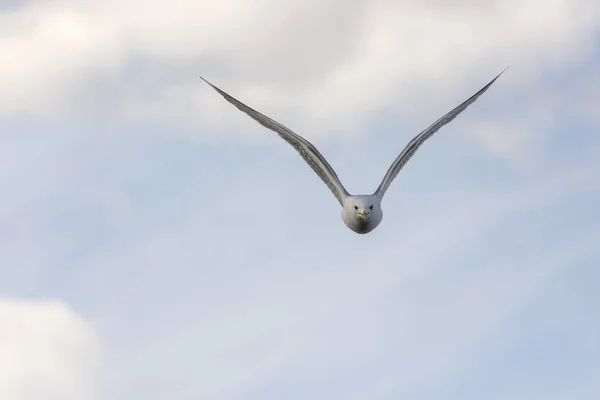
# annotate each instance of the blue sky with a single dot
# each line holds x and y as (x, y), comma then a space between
(157, 243)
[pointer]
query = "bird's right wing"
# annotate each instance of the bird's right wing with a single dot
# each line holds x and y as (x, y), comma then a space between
(308, 152)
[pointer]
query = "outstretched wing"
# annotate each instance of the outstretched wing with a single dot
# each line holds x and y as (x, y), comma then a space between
(308, 152)
(418, 140)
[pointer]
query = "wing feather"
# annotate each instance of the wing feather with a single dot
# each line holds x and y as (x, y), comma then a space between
(306, 149)
(418, 140)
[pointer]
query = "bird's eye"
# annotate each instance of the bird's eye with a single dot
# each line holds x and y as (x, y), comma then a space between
(356, 207)
(371, 207)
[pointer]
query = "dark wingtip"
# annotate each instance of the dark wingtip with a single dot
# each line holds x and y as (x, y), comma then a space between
(497, 76)
(503, 71)
(205, 80)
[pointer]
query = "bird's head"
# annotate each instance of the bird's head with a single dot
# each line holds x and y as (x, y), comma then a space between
(363, 208)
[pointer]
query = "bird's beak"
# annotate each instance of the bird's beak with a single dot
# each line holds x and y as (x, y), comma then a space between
(363, 214)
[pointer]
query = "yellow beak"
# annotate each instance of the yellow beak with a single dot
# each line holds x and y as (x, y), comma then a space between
(363, 214)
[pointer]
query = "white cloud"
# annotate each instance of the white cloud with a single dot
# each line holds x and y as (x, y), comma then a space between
(47, 352)
(278, 55)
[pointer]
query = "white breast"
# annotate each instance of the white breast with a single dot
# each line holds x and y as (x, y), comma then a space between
(359, 226)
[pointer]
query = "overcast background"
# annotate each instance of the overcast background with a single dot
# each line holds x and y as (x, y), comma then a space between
(156, 243)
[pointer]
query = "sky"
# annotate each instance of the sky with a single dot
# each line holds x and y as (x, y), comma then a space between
(156, 243)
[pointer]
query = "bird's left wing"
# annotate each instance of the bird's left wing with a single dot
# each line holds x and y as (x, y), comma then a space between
(308, 152)
(418, 140)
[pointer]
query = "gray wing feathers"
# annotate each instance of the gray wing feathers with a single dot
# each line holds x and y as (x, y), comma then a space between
(418, 140)
(308, 152)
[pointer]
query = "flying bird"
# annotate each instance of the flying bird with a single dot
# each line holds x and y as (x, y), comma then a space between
(360, 213)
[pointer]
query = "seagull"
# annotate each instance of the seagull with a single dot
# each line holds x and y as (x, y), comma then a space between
(361, 213)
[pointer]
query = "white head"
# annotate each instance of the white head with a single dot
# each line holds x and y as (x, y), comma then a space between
(362, 213)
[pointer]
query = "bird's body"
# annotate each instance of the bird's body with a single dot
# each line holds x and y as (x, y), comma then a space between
(360, 213)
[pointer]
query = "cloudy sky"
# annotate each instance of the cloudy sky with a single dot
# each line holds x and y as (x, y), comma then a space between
(156, 243)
